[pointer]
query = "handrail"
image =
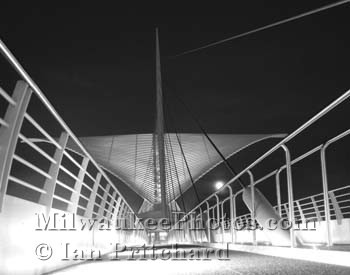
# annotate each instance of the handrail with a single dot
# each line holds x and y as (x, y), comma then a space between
(290, 136)
(305, 155)
(301, 157)
(308, 198)
(20, 70)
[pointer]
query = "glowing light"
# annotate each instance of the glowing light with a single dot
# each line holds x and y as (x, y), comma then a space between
(219, 184)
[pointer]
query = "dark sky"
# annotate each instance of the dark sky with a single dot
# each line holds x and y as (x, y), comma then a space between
(95, 63)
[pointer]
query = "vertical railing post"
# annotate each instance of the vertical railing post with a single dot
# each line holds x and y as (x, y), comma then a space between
(116, 211)
(196, 225)
(217, 213)
(9, 135)
(111, 205)
(175, 230)
(103, 202)
(302, 216)
(50, 184)
(191, 227)
(132, 221)
(217, 208)
(184, 228)
(120, 215)
(286, 209)
(127, 219)
(125, 223)
(278, 192)
(231, 215)
(222, 223)
(290, 194)
(195, 229)
(336, 208)
(201, 224)
(78, 185)
(91, 203)
(121, 221)
(235, 217)
(252, 213)
(317, 212)
(188, 224)
(208, 222)
(327, 213)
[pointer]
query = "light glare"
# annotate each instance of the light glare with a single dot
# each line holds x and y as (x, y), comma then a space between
(218, 185)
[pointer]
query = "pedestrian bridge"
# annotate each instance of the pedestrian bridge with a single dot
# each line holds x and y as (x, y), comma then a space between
(53, 186)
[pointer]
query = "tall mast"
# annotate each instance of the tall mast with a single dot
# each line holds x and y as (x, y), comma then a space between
(160, 131)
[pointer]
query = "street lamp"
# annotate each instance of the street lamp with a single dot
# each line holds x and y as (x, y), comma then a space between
(219, 184)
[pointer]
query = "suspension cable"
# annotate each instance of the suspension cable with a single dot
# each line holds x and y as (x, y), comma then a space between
(184, 157)
(176, 172)
(228, 165)
(323, 8)
(171, 176)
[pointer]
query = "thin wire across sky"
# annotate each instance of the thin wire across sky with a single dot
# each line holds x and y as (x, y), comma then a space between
(305, 14)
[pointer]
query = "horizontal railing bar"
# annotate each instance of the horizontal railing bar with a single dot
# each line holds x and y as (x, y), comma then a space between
(340, 188)
(87, 186)
(97, 194)
(42, 130)
(64, 169)
(4, 123)
(342, 195)
(313, 196)
(26, 184)
(303, 204)
(62, 199)
(104, 190)
(338, 137)
(312, 213)
(36, 148)
(66, 186)
(309, 208)
(84, 197)
(32, 166)
(89, 175)
(72, 159)
(7, 97)
(296, 160)
(69, 156)
(345, 213)
(81, 207)
(265, 177)
(316, 201)
(341, 201)
(106, 202)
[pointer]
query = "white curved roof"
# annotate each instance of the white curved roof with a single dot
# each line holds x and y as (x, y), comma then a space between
(130, 157)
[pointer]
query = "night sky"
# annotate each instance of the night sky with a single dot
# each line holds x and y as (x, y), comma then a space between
(95, 63)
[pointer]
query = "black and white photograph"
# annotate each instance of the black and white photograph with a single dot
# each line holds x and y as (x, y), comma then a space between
(175, 137)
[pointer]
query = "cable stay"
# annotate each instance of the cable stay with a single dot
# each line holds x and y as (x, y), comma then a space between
(293, 18)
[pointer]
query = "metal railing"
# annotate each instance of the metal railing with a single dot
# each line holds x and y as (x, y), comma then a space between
(312, 208)
(64, 179)
(324, 204)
